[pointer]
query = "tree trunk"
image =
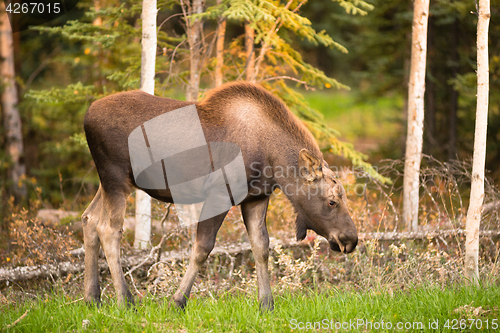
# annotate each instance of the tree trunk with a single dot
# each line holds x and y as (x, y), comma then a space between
(430, 145)
(477, 186)
(101, 77)
(452, 150)
(406, 69)
(249, 42)
(416, 91)
(148, 58)
(11, 116)
(219, 52)
(194, 27)
(98, 19)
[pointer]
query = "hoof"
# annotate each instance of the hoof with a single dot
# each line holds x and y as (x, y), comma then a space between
(180, 301)
(126, 299)
(90, 301)
(92, 294)
(267, 304)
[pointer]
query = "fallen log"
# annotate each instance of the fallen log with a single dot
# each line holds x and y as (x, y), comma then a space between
(393, 236)
(61, 269)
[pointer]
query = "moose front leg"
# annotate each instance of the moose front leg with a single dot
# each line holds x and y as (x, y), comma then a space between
(254, 216)
(206, 233)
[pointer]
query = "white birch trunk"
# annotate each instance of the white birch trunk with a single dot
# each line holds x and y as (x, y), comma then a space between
(148, 58)
(477, 187)
(11, 116)
(416, 90)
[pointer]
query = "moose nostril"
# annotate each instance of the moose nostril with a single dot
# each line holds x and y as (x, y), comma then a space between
(351, 246)
(350, 242)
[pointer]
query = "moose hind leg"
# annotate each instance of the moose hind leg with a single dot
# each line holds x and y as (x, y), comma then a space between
(254, 216)
(110, 233)
(206, 234)
(90, 219)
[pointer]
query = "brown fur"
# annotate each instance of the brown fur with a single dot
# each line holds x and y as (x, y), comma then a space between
(269, 136)
(272, 108)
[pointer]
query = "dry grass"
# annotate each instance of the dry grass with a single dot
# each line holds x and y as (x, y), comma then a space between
(35, 242)
(374, 207)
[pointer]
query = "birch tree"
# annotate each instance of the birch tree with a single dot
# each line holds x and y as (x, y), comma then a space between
(148, 59)
(416, 92)
(477, 186)
(11, 116)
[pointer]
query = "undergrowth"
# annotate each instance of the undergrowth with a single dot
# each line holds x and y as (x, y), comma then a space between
(309, 277)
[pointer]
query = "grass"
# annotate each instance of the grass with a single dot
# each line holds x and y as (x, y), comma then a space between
(240, 313)
(378, 120)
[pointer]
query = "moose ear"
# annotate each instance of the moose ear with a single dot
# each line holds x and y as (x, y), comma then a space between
(300, 228)
(309, 166)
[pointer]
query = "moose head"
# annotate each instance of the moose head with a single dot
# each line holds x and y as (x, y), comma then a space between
(322, 205)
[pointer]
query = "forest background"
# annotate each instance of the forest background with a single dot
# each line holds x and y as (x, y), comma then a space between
(342, 66)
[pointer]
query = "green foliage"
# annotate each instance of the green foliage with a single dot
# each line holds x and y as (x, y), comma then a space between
(251, 11)
(79, 31)
(276, 25)
(73, 93)
(299, 42)
(79, 138)
(355, 6)
(326, 135)
(104, 58)
(360, 119)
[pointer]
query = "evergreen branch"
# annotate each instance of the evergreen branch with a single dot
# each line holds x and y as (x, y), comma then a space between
(75, 30)
(300, 25)
(310, 74)
(73, 93)
(355, 7)
(213, 12)
(288, 78)
(247, 10)
(274, 30)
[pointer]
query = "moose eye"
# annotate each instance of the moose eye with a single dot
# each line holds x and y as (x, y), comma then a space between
(332, 203)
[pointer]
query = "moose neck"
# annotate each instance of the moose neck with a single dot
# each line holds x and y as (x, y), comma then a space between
(285, 165)
(269, 134)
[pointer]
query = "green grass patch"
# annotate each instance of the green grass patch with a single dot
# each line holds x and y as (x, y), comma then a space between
(378, 119)
(455, 305)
